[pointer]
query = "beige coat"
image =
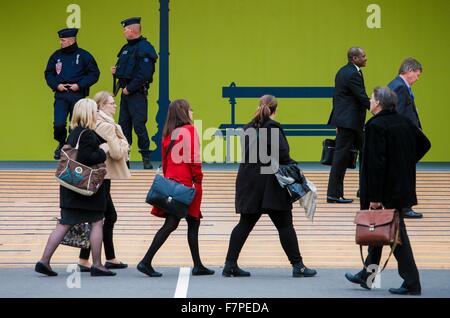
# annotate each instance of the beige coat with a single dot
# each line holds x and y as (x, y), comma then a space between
(118, 146)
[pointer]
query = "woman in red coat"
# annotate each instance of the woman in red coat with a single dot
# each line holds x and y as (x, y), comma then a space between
(182, 164)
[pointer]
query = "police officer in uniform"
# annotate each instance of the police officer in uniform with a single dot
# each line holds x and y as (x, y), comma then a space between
(70, 72)
(134, 71)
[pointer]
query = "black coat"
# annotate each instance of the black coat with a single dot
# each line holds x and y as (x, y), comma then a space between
(392, 147)
(256, 192)
(405, 102)
(350, 100)
(89, 153)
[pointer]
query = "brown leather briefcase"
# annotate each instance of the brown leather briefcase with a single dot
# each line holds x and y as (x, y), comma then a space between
(377, 228)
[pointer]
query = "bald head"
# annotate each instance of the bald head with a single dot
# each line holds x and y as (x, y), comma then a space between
(357, 56)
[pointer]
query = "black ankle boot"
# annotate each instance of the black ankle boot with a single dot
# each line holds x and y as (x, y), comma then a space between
(201, 270)
(146, 159)
(232, 269)
(300, 270)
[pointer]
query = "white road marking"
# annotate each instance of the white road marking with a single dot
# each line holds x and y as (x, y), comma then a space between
(183, 282)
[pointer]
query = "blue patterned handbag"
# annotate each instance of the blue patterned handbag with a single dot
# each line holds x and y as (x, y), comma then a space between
(170, 196)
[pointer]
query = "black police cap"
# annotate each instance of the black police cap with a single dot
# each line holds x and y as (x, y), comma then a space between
(67, 33)
(134, 20)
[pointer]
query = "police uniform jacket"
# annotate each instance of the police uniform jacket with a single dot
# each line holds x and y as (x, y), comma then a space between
(136, 65)
(72, 65)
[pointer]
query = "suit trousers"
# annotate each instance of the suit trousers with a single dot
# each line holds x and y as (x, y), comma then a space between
(345, 140)
(403, 254)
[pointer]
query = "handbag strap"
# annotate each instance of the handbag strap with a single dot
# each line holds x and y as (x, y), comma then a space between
(79, 137)
(397, 238)
(172, 142)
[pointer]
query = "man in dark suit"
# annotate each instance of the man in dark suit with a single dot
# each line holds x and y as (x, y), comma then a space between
(392, 147)
(408, 74)
(350, 103)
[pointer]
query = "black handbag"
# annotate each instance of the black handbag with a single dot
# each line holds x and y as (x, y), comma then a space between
(170, 196)
(328, 147)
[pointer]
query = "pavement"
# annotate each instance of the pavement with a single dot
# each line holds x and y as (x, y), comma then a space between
(177, 282)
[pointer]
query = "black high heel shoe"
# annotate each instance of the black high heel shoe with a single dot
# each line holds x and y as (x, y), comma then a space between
(201, 270)
(41, 268)
(148, 270)
(95, 271)
(232, 269)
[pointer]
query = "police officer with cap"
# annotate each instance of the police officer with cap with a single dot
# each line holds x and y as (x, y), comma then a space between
(134, 73)
(70, 72)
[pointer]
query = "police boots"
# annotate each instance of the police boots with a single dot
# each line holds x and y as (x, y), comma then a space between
(57, 154)
(146, 159)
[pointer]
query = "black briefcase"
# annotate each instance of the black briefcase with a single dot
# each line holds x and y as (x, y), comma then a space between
(328, 146)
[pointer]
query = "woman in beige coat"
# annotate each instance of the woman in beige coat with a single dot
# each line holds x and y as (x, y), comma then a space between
(116, 166)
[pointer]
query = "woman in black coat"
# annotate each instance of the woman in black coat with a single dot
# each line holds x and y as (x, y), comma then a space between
(258, 191)
(77, 208)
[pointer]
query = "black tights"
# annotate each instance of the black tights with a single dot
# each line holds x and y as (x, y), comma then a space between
(286, 233)
(163, 233)
(108, 227)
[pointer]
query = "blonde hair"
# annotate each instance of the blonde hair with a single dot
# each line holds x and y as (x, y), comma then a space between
(84, 114)
(267, 106)
(101, 98)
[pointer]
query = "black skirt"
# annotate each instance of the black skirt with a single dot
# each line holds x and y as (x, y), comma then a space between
(77, 216)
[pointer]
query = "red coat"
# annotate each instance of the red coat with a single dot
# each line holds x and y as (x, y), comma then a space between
(183, 165)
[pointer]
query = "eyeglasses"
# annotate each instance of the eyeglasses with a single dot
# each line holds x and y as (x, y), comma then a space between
(113, 103)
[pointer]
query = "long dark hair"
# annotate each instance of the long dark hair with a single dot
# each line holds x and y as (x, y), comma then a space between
(177, 116)
(267, 106)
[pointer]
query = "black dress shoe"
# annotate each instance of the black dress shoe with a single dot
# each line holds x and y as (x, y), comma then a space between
(356, 279)
(148, 270)
(232, 269)
(110, 265)
(404, 291)
(41, 268)
(95, 271)
(411, 214)
(198, 271)
(84, 269)
(338, 200)
(300, 270)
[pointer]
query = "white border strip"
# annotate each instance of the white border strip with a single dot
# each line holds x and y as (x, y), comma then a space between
(183, 282)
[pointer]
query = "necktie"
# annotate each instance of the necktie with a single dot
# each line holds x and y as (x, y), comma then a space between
(410, 92)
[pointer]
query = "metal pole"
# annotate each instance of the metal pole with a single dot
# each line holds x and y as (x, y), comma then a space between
(163, 100)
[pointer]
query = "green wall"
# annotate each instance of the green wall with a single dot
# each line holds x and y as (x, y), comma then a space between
(216, 42)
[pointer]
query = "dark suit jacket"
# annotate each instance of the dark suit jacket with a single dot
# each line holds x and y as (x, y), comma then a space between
(392, 147)
(405, 102)
(256, 192)
(350, 100)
